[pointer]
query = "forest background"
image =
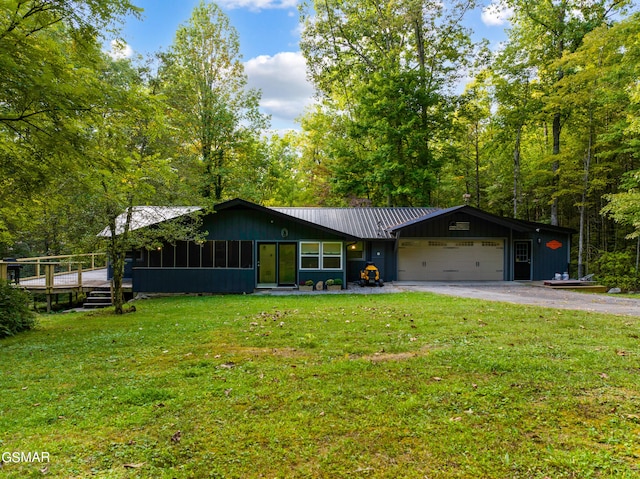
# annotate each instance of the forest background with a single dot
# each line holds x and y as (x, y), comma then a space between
(547, 129)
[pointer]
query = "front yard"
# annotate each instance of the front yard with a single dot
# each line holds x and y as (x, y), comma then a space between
(399, 385)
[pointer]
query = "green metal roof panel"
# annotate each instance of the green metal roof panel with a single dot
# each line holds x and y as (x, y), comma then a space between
(364, 223)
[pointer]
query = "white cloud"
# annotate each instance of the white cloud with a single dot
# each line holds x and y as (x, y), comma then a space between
(257, 5)
(120, 50)
(283, 81)
(496, 13)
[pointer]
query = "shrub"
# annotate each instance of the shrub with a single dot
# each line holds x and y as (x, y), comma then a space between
(329, 282)
(15, 315)
(617, 270)
(337, 281)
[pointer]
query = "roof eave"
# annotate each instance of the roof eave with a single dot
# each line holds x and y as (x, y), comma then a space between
(514, 224)
(237, 202)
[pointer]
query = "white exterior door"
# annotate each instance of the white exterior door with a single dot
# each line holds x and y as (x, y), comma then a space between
(451, 259)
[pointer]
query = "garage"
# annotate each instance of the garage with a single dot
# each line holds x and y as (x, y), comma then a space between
(450, 259)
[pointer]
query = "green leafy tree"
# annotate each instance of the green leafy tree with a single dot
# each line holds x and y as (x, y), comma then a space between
(471, 123)
(129, 171)
(603, 70)
(48, 93)
(546, 31)
(215, 116)
(385, 69)
(513, 84)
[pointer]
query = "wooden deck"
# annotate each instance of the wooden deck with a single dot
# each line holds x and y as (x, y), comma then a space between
(576, 285)
(72, 282)
(62, 274)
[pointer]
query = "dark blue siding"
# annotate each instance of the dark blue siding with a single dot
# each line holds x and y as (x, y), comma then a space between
(439, 228)
(382, 253)
(242, 224)
(231, 225)
(546, 260)
(193, 280)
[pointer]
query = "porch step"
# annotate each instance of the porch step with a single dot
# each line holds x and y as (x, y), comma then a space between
(266, 289)
(98, 298)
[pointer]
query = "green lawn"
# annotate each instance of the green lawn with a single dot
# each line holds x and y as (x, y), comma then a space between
(385, 385)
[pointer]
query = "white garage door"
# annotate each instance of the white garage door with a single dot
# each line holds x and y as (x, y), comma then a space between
(451, 260)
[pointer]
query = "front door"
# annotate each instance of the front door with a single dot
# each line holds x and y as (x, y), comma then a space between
(522, 258)
(267, 264)
(287, 254)
(277, 264)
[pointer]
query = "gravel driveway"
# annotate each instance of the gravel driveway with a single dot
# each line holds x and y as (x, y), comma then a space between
(532, 293)
(527, 293)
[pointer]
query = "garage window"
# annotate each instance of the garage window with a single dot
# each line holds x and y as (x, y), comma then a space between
(464, 243)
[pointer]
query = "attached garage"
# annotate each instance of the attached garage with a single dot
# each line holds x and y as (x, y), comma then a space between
(448, 259)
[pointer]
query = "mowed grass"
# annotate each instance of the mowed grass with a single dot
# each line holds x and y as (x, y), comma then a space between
(385, 385)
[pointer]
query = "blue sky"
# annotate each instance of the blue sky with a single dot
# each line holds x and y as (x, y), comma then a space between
(269, 34)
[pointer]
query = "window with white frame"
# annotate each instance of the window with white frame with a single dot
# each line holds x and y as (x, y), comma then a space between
(331, 255)
(320, 255)
(310, 255)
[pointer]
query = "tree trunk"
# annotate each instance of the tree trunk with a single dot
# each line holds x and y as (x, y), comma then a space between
(118, 260)
(557, 120)
(555, 133)
(477, 158)
(516, 169)
(585, 187)
(218, 183)
(118, 245)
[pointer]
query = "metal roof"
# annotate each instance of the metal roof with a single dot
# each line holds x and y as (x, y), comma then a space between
(143, 216)
(365, 223)
(515, 224)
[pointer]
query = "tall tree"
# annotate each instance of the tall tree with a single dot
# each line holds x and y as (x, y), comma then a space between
(386, 69)
(128, 169)
(513, 79)
(471, 121)
(213, 112)
(49, 91)
(619, 68)
(547, 30)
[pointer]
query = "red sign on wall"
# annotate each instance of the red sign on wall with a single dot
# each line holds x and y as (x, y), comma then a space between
(554, 244)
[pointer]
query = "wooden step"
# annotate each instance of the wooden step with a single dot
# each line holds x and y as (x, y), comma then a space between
(98, 298)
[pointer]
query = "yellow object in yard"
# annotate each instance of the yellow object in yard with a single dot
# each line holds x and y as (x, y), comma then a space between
(370, 276)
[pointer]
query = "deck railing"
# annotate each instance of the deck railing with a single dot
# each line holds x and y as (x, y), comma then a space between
(34, 268)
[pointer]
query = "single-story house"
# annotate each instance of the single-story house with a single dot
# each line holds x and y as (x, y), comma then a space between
(249, 247)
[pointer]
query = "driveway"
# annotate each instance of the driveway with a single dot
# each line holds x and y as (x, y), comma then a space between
(531, 293)
(534, 294)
